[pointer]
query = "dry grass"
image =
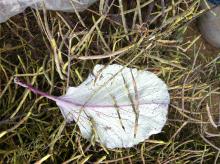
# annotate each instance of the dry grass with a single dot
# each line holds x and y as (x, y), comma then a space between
(54, 50)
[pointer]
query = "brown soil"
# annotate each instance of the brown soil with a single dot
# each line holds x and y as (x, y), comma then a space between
(206, 49)
(213, 101)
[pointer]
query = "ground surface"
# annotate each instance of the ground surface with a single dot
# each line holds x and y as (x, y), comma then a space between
(39, 49)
